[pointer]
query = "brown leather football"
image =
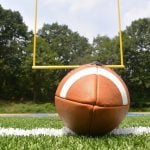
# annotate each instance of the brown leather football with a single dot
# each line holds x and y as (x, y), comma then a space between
(92, 99)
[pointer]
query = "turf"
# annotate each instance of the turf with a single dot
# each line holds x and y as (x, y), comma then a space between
(107, 142)
(26, 107)
(30, 122)
(75, 143)
(32, 107)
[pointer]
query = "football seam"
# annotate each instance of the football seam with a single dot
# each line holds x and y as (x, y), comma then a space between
(91, 104)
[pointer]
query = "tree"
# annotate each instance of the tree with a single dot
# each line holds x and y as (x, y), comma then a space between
(70, 47)
(41, 83)
(106, 50)
(13, 37)
(136, 45)
(56, 45)
(137, 58)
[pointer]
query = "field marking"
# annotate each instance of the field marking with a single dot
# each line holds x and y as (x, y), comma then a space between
(35, 132)
(131, 130)
(65, 131)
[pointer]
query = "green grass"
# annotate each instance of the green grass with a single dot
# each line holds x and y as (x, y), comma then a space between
(140, 106)
(107, 142)
(26, 107)
(140, 109)
(31, 107)
(31, 122)
(75, 143)
(55, 122)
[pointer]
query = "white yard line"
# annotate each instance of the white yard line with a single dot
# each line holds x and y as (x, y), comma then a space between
(131, 130)
(66, 131)
(35, 132)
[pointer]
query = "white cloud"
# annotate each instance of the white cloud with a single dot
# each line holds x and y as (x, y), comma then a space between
(88, 17)
(138, 11)
(74, 5)
(84, 5)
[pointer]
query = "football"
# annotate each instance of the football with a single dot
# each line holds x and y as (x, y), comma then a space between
(92, 100)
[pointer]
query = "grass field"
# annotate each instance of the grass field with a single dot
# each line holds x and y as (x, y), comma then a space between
(31, 107)
(26, 107)
(107, 142)
(41, 142)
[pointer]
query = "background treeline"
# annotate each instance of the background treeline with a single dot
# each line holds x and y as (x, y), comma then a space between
(58, 45)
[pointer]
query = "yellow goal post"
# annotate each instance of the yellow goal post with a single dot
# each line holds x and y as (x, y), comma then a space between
(34, 66)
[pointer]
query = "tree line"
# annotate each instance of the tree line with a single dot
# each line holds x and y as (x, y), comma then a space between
(59, 45)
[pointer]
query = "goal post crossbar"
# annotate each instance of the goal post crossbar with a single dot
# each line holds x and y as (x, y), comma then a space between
(34, 66)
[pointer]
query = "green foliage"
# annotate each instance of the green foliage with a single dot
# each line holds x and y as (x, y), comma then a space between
(13, 38)
(106, 50)
(70, 47)
(58, 45)
(137, 59)
(41, 83)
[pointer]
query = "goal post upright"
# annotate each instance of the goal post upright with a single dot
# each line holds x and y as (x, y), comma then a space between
(34, 66)
(120, 33)
(35, 30)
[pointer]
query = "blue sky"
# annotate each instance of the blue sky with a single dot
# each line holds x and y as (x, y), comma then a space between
(88, 17)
